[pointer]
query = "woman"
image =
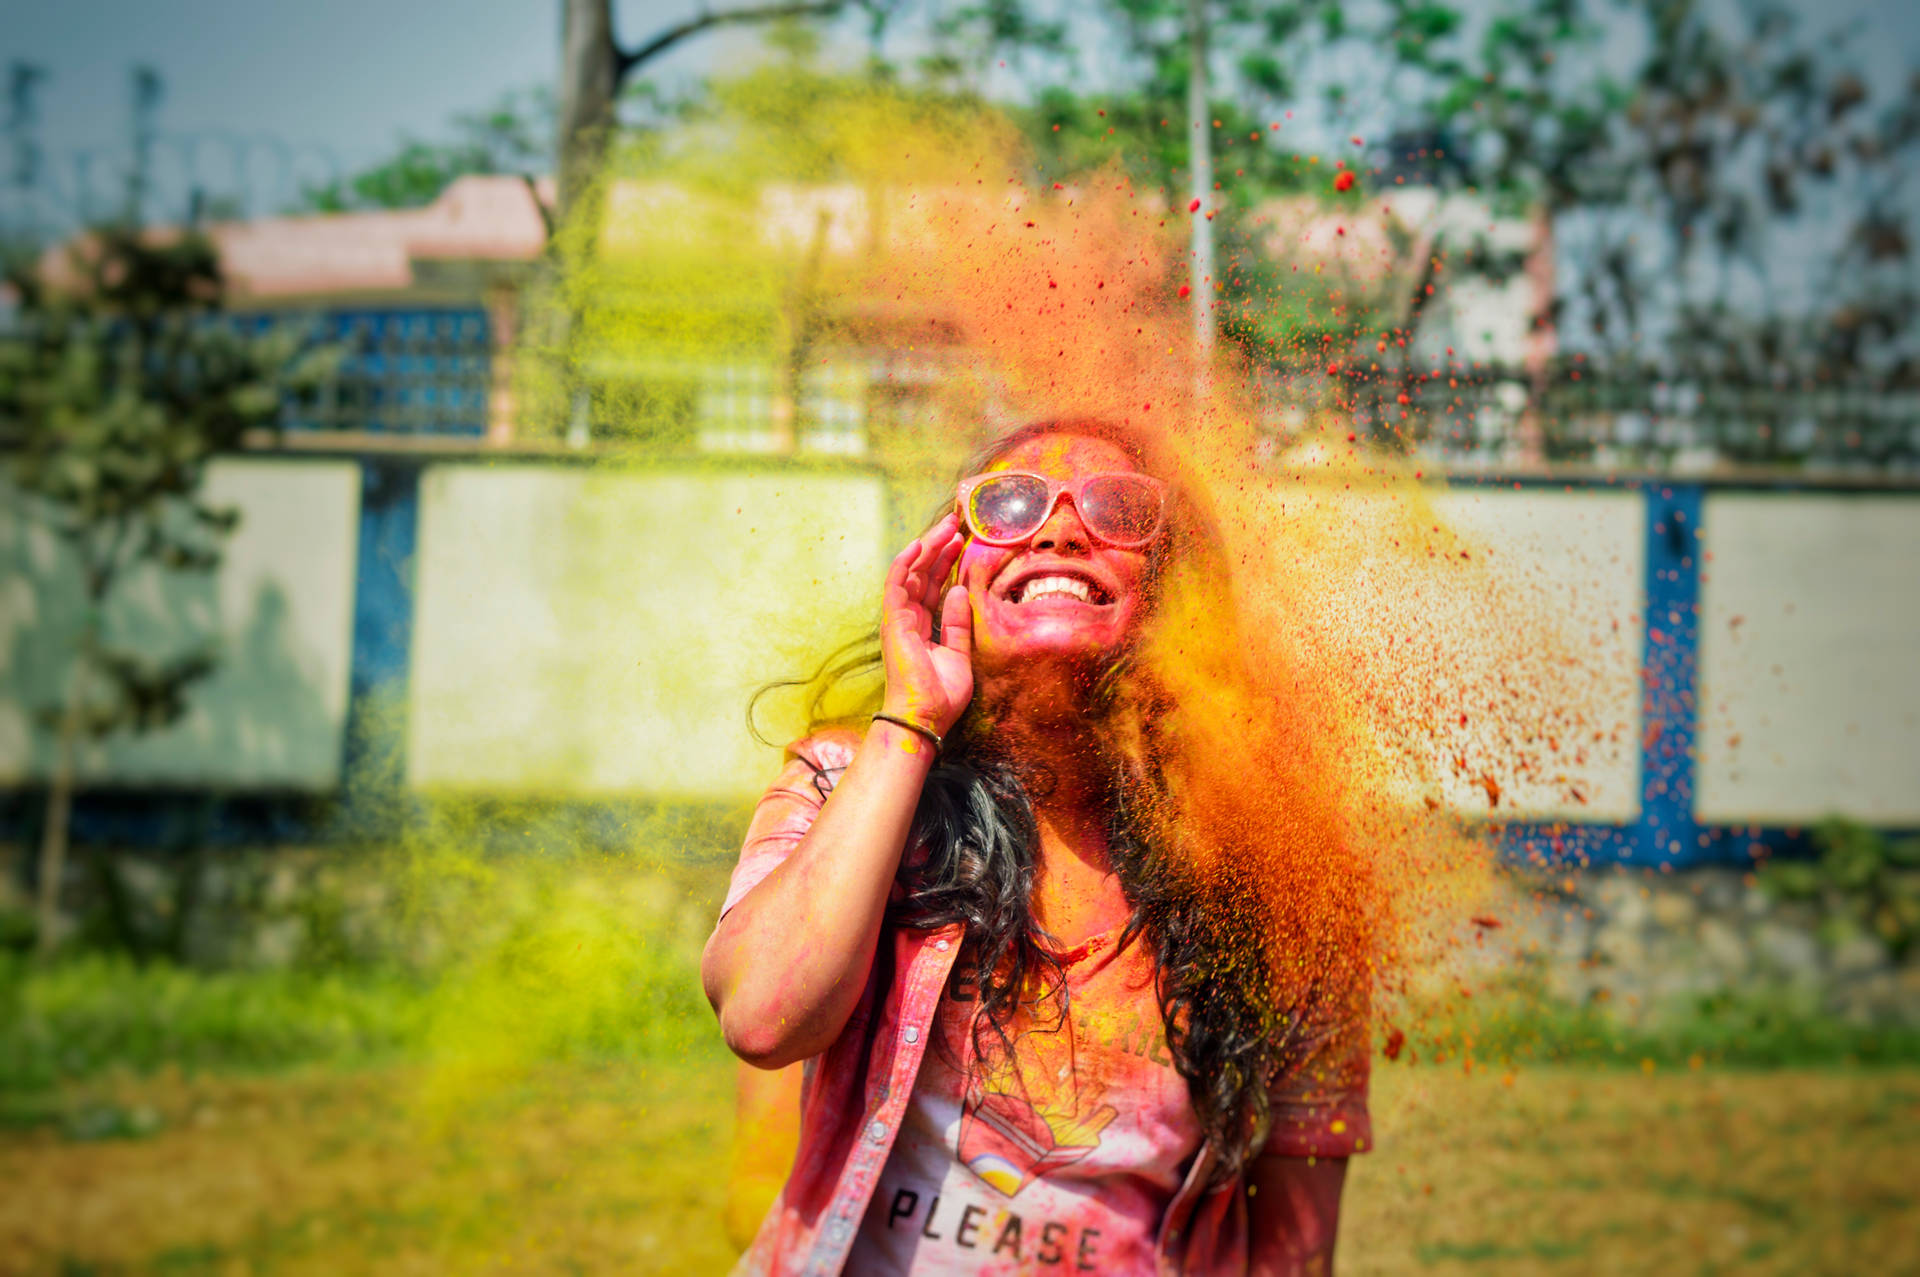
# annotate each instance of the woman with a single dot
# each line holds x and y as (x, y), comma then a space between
(1032, 925)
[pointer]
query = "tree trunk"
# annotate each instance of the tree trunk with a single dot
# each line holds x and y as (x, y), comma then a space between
(589, 78)
(53, 837)
(1200, 128)
(1529, 447)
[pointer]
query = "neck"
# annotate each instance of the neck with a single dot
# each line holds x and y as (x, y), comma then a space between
(1041, 722)
(1042, 725)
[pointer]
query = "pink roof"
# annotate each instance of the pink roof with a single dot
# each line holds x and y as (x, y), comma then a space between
(479, 218)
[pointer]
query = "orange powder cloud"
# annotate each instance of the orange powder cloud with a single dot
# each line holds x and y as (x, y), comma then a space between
(1360, 658)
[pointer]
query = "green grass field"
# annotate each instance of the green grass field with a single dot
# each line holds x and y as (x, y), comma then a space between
(551, 1098)
(621, 1168)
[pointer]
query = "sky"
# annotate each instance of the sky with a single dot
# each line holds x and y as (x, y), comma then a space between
(298, 91)
(338, 83)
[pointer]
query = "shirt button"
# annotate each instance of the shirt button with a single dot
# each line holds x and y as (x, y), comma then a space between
(876, 1131)
(912, 1035)
(941, 945)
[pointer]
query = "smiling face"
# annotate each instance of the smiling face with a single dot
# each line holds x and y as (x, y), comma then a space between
(1063, 594)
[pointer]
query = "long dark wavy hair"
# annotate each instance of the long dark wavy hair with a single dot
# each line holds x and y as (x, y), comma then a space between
(1241, 997)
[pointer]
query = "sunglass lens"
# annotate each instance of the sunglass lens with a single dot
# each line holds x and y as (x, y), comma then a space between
(1120, 508)
(1009, 507)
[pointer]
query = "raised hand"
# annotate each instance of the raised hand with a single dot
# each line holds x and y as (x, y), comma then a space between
(928, 682)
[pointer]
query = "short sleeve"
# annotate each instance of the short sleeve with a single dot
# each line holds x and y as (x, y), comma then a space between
(1319, 1108)
(787, 810)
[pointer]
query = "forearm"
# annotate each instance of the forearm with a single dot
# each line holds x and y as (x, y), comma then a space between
(786, 965)
(1293, 1215)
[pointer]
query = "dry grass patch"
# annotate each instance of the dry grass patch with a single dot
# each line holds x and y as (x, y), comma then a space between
(590, 1169)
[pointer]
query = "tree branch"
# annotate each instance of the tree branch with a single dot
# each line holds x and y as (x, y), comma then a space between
(625, 60)
(539, 205)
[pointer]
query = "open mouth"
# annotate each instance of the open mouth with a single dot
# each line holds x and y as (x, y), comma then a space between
(1058, 585)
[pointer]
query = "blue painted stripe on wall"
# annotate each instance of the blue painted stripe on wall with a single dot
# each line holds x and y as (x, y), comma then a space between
(1671, 677)
(1553, 844)
(375, 744)
(1666, 833)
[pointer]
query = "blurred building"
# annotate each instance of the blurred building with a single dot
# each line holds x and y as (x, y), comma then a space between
(428, 309)
(421, 589)
(423, 303)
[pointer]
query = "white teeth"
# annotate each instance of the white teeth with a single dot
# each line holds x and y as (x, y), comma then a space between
(1041, 587)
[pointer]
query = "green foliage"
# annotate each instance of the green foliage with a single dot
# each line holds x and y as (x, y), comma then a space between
(1748, 1030)
(1147, 138)
(515, 135)
(118, 387)
(1681, 179)
(1690, 172)
(120, 390)
(90, 1013)
(1861, 880)
(484, 969)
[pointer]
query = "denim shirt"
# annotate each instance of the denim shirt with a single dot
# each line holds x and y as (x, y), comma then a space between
(854, 1095)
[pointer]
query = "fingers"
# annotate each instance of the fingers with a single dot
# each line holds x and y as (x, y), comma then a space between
(956, 622)
(894, 594)
(948, 545)
(920, 570)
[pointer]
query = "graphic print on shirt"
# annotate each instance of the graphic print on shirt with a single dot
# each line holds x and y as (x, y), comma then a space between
(1054, 1152)
(1009, 1143)
(1009, 1136)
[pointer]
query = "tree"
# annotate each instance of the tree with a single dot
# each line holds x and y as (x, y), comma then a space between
(115, 395)
(1207, 81)
(1731, 205)
(514, 136)
(594, 68)
(1696, 191)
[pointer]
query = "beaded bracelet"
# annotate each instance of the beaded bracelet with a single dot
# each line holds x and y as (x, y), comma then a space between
(927, 732)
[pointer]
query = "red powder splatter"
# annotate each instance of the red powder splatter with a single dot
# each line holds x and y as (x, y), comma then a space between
(1392, 632)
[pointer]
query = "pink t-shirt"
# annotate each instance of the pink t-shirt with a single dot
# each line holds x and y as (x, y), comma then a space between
(1062, 1163)
(1061, 1159)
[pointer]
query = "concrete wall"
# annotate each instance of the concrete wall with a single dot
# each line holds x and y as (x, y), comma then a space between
(1573, 565)
(281, 606)
(577, 632)
(1810, 659)
(585, 633)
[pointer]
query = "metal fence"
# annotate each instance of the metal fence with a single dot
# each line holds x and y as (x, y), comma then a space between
(400, 372)
(1576, 415)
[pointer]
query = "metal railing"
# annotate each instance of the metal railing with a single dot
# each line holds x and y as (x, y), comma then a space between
(1577, 415)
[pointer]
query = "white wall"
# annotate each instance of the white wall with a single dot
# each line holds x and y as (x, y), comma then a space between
(1810, 659)
(1573, 564)
(281, 605)
(598, 633)
(1495, 635)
